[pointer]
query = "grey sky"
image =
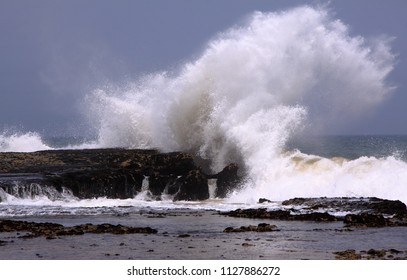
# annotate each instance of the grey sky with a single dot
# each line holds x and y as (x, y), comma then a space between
(53, 52)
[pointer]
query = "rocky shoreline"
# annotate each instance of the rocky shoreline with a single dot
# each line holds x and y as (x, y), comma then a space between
(195, 234)
(112, 173)
(368, 212)
(372, 254)
(53, 230)
(242, 233)
(276, 234)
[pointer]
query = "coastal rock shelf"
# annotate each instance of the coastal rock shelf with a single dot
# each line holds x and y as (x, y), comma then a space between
(366, 211)
(111, 173)
(51, 230)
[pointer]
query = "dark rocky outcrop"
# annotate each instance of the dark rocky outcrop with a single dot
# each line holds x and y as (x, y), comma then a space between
(262, 227)
(368, 212)
(52, 230)
(111, 173)
(264, 200)
(193, 186)
(371, 254)
(348, 255)
(365, 220)
(370, 205)
(263, 213)
(227, 180)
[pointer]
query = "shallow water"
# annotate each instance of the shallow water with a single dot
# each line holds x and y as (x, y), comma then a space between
(205, 239)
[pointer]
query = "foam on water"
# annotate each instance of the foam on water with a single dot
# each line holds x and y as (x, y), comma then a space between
(302, 175)
(255, 86)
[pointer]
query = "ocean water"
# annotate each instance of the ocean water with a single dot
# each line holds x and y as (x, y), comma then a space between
(253, 97)
(317, 166)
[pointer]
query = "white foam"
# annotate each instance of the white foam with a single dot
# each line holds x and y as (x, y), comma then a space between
(304, 175)
(253, 88)
(22, 142)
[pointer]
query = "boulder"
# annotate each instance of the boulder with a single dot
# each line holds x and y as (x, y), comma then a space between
(264, 200)
(227, 180)
(111, 173)
(370, 205)
(51, 230)
(193, 186)
(110, 183)
(263, 213)
(348, 255)
(262, 227)
(365, 220)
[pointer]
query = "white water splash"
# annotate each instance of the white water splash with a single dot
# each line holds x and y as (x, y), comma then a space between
(22, 142)
(254, 87)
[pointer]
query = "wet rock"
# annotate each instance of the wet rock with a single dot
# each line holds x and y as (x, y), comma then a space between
(260, 213)
(193, 186)
(158, 183)
(51, 230)
(106, 182)
(264, 200)
(317, 217)
(398, 220)
(111, 173)
(377, 253)
(262, 227)
(372, 254)
(263, 213)
(395, 251)
(369, 220)
(366, 220)
(348, 255)
(350, 220)
(227, 180)
(370, 205)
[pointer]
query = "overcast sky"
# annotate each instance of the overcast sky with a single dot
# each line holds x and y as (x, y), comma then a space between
(53, 52)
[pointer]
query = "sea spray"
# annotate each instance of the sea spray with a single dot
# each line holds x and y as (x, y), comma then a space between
(21, 142)
(254, 87)
(303, 175)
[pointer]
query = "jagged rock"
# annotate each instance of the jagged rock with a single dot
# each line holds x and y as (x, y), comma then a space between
(262, 227)
(227, 180)
(350, 220)
(262, 213)
(348, 255)
(365, 220)
(110, 183)
(371, 254)
(377, 253)
(111, 173)
(370, 220)
(317, 217)
(193, 186)
(52, 229)
(371, 205)
(158, 183)
(264, 200)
